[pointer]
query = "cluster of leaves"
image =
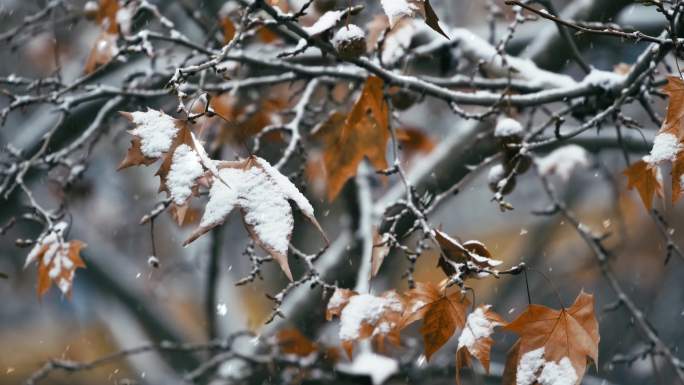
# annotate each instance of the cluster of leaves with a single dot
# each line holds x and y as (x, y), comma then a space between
(645, 175)
(558, 337)
(260, 192)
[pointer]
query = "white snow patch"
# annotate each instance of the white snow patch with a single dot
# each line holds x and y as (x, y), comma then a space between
(561, 373)
(398, 41)
(362, 308)
(604, 79)
(324, 23)
(156, 131)
(397, 9)
(288, 188)
(348, 33)
(477, 327)
(507, 127)
(529, 365)
(665, 148)
(563, 161)
(496, 174)
(185, 169)
(378, 368)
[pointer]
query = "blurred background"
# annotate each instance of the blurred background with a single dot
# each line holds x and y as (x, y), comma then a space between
(120, 301)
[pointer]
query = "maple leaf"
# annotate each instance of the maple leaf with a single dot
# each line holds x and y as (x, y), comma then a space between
(57, 260)
(442, 318)
(363, 133)
(263, 196)
(105, 47)
(644, 177)
(552, 340)
(417, 301)
(458, 257)
(159, 136)
(475, 340)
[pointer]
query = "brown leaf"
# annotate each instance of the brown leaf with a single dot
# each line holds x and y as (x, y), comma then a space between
(432, 20)
(106, 16)
(441, 321)
(228, 29)
(644, 177)
(675, 107)
(475, 340)
(57, 261)
(363, 133)
(414, 141)
(418, 300)
(380, 251)
(570, 333)
(454, 252)
(104, 49)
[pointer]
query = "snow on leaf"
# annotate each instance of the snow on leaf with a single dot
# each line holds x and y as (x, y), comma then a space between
(366, 315)
(57, 260)
(398, 9)
(666, 146)
(185, 169)
(153, 133)
(563, 161)
(568, 334)
(337, 302)
(263, 196)
(475, 340)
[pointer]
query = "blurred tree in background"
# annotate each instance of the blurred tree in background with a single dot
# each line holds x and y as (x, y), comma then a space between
(331, 191)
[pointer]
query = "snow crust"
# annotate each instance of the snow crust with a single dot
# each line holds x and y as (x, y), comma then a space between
(396, 9)
(185, 169)
(604, 79)
(528, 366)
(156, 131)
(561, 373)
(665, 148)
(507, 127)
(477, 327)
(361, 309)
(324, 23)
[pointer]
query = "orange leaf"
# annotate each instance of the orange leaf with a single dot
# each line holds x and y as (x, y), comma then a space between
(104, 49)
(441, 321)
(57, 260)
(292, 341)
(644, 177)
(556, 338)
(363, 133)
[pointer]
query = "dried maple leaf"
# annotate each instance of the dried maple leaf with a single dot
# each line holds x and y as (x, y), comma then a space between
(263, 196)
(644, 177)
(553, 341)
(159, 136)
(417, 301)
(363, 133)
(461, 258)
(57, 260)
(475, 340)
(442, 318)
